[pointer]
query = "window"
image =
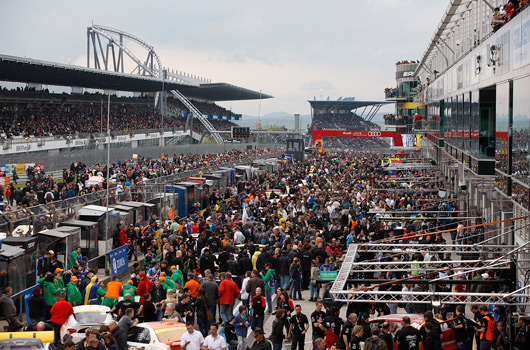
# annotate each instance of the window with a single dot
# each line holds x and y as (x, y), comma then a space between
(139, 335)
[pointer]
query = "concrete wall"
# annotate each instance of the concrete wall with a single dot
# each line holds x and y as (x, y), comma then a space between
(55, 159)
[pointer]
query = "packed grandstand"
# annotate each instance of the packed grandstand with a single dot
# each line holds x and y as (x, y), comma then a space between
(26, 112)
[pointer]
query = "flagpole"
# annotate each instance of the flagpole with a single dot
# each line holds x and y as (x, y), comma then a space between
(108, 186)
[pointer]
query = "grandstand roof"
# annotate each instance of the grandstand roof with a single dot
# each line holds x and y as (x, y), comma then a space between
(27, 70)
(344, 104)
(350, 104)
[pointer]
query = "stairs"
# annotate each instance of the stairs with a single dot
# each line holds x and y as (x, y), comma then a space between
(199, 116)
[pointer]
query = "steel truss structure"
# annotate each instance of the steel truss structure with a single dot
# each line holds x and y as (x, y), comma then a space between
(111, 57)
(409, 166)
(496, 257)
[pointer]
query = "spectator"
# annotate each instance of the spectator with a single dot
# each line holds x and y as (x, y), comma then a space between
(59, 313)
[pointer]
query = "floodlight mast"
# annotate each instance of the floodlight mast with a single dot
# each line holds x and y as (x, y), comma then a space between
(111, 57)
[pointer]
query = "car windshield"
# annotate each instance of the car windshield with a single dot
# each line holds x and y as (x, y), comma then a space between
(169, 335)
(90, 317)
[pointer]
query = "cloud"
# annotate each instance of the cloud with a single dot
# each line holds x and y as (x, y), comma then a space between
(317, 85)
(289, 49)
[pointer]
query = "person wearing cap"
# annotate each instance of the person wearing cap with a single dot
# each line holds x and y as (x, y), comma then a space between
(129, 288)
(59, 282)
(143, 287)
(260, 343)
(53, 261)
(74, 295)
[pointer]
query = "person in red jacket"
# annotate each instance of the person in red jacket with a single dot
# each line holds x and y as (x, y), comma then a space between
(59, 312)
(123, 236)
(143, 287)
(228, 291)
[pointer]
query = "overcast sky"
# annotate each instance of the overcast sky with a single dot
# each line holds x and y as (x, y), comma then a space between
(293, 50)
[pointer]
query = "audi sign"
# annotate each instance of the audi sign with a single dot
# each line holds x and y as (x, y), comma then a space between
(374, 133)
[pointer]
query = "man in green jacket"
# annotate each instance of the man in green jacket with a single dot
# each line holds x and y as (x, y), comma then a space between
(75, 258)
(270, 285)
(169, 282)
(129, 288)
(177, 276)
(74, 295)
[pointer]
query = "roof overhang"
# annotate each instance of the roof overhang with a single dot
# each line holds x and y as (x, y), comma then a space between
(454, 12)
(27, 70)
(349, 105)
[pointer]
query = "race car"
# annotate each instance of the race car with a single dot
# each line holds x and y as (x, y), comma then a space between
(86, 317)
(156, 336)
(416, 321)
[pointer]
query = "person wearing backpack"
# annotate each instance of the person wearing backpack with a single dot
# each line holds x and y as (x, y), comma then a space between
(374, 342)
(270, 284)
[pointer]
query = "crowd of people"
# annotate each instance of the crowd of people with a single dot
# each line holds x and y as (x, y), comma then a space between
(27, 112)
(255, 245)
(342, 121)
(406, 62)
(393, 119)
(505, 13)
(43, 188)
(362, 144)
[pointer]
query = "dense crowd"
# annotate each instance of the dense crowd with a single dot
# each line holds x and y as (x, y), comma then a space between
(40, 113)
(507, 12)
(282, 241)
(342, 121)
(363, 144)
(43, 188)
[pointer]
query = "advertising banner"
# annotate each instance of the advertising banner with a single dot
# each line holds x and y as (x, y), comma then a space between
(119, 262)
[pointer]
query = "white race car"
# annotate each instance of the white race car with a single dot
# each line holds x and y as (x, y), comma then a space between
(85, 317)
(156, 336)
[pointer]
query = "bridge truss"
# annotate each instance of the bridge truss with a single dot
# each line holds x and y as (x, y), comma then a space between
(356, 279)
(109, 48)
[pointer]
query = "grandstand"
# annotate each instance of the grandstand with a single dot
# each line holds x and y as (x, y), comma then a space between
(346, 115)
(32, 117)
(27, 112)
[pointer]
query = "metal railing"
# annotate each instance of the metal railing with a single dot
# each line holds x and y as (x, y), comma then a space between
(48, 216)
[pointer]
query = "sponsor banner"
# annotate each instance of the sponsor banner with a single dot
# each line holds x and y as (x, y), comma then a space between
(393, 177)
(21, 169)
(28, 293)
(119, 262)
(328, 275)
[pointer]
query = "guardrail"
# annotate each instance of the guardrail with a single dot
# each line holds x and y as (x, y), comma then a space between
(48, 216)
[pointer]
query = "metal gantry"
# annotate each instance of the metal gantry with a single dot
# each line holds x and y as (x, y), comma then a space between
(354, 283)
(111, 57)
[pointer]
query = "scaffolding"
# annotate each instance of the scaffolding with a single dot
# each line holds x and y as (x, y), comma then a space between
(355, 280)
